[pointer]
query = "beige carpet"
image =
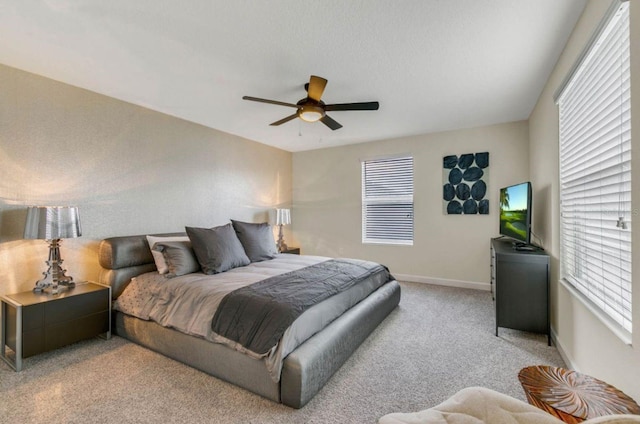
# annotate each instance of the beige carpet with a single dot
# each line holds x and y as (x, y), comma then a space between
(437, 342)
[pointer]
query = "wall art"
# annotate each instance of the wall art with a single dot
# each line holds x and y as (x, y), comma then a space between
(465, 179)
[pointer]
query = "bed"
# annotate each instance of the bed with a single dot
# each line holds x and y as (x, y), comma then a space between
(292, 374)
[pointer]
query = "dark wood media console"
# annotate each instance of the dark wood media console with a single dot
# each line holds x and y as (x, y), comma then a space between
(520, 286)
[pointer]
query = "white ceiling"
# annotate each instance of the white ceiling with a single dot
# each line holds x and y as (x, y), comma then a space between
(433, 65)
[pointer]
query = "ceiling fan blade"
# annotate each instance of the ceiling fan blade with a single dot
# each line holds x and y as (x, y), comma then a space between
(316, 87)
(353, 106)
(283, 120)
(273, 102)
(330, 122)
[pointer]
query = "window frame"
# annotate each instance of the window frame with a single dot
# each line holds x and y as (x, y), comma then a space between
(400, 200)
(593, 293)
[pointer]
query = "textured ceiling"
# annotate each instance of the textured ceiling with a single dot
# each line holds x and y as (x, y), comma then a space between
(433, 65)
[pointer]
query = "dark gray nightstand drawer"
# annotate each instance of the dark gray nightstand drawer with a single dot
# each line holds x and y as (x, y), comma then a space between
(73, 307)
(79, 329)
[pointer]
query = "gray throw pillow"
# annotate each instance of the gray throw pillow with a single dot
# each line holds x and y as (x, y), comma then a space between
(161, 264)
(217, 249)
(257, 240)
(179, 257)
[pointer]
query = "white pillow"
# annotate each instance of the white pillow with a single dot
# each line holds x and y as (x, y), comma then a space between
(158, 258)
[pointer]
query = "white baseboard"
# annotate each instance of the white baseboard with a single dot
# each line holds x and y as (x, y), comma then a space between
(563, 354)
(443, 282)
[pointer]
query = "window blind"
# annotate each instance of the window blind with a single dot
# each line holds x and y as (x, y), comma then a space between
(387, 201)
(595, 172)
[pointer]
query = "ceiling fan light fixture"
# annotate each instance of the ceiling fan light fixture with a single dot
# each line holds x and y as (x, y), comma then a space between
(311, 113)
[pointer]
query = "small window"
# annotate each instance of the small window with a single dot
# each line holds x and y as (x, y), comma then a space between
(387, 201)
(595, 174)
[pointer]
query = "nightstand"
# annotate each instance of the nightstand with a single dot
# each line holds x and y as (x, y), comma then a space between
(292, 250)
(33, 323)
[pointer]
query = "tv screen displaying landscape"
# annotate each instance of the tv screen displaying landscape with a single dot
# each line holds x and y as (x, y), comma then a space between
(514, 212)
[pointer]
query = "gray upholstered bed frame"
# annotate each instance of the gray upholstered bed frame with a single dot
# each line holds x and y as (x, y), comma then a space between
(304, 371)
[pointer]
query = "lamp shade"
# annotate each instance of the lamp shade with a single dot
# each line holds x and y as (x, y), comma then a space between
(283, 216)
(52, 222)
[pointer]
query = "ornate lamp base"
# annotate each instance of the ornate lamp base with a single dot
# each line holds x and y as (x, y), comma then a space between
(54, 276)
(282, 246)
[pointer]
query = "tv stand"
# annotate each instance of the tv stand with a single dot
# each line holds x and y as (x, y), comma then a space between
(520, 285)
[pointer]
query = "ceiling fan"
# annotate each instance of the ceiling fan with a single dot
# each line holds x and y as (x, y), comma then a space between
(312, 109)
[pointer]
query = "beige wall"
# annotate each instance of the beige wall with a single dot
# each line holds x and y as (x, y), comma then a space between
(327, 213)
(586, 343)
(130, 170)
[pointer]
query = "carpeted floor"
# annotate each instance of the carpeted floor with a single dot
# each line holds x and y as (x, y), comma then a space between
(437, 342)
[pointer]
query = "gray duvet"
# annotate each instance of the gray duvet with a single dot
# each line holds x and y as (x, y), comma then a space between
(188, 303)
(256, 316)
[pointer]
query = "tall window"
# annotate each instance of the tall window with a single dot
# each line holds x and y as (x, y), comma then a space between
(387, 201)
(595, 173)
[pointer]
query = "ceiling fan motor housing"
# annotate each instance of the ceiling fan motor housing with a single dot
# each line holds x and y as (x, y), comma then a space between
(310, 110)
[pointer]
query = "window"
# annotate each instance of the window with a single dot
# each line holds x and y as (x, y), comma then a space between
(595, 173)
(387, 201)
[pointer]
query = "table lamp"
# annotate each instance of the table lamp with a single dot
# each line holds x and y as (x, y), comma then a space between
(283, 217)
(53, 223)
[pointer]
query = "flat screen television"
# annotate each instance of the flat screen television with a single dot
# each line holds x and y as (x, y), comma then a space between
(515, 213)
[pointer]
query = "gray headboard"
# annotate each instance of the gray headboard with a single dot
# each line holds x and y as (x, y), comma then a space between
(123, 258)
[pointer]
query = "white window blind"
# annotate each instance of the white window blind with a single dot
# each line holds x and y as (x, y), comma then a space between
(387, 201)
(595, 172)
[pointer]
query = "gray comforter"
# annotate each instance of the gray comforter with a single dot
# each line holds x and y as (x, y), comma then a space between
(257, 316)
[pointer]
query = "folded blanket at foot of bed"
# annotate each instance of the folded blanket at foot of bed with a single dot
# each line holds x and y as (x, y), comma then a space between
(257, 316)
